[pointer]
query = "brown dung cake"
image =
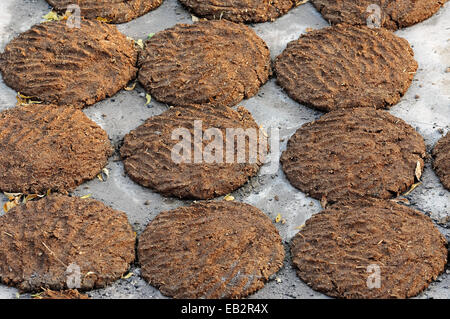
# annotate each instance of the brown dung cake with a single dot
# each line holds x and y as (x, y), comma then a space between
(208, 62)
(342, 250)
(441, 164)
(69, 66)
(346, 66)
(49, 147)
(44, 243)
(353, 154)
(392, 14)
(210, 250)
(115, 11)
(148, 160)
(240, 10)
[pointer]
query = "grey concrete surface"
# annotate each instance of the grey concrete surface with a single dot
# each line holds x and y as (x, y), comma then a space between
(426, 106)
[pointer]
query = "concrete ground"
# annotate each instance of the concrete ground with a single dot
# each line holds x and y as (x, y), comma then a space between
(426, 106)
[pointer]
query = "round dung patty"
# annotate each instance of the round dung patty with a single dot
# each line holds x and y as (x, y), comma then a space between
(346, 66)
(115, 11)
(49, 242)
(49, 147)
(148, 152)
(216, 62)
(390, 14)
(240, 10)
(441, 164)
(210, 250)
(354, 153)
(69, 66)
(343, 250)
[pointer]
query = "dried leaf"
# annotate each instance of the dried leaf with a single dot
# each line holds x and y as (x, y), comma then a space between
(195, 19)
(278, 218)
(324, 202)
(229, 197)
(148, 97)
(29, 197)
(51, 16)
(418, 170)
(300, 227)
(9, 205)
(413, 187)
(131, 88)
(299, 2)
(140, 43)
(102, 19)
(11, 196)
(86, 196)
(127, 276)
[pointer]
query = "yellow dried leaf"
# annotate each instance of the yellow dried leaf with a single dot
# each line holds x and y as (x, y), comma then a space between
(324, 202)
(140, 43)
(229, 197)
(29, 197)
(299, 2)
(148, 97)
(86, 196)
(8, 205)
(413, 187)
(51, 16)
(11, 196)
(131, 88)
(127, 276)
(101, 19)
(278, 218)
(300, 227)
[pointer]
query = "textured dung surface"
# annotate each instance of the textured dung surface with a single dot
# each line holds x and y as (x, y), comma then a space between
(394, 14)
(69, 66)
(40, 240)
(346, 66)
(148, 160)
(441, 164)
(335, 247)
(63, 294)
(48, 147)
(210, 250)
(115, 11)
(194, 64)
(352, 154)
(240, 10)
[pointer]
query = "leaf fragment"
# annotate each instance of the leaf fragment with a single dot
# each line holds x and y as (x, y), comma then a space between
(148, 97)
(150, 35)
(51, 16)
(131, 88)
(102, 19)
(418, 171)
(127, 276)
(86, 196)
(278, 218)
(413, 187)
